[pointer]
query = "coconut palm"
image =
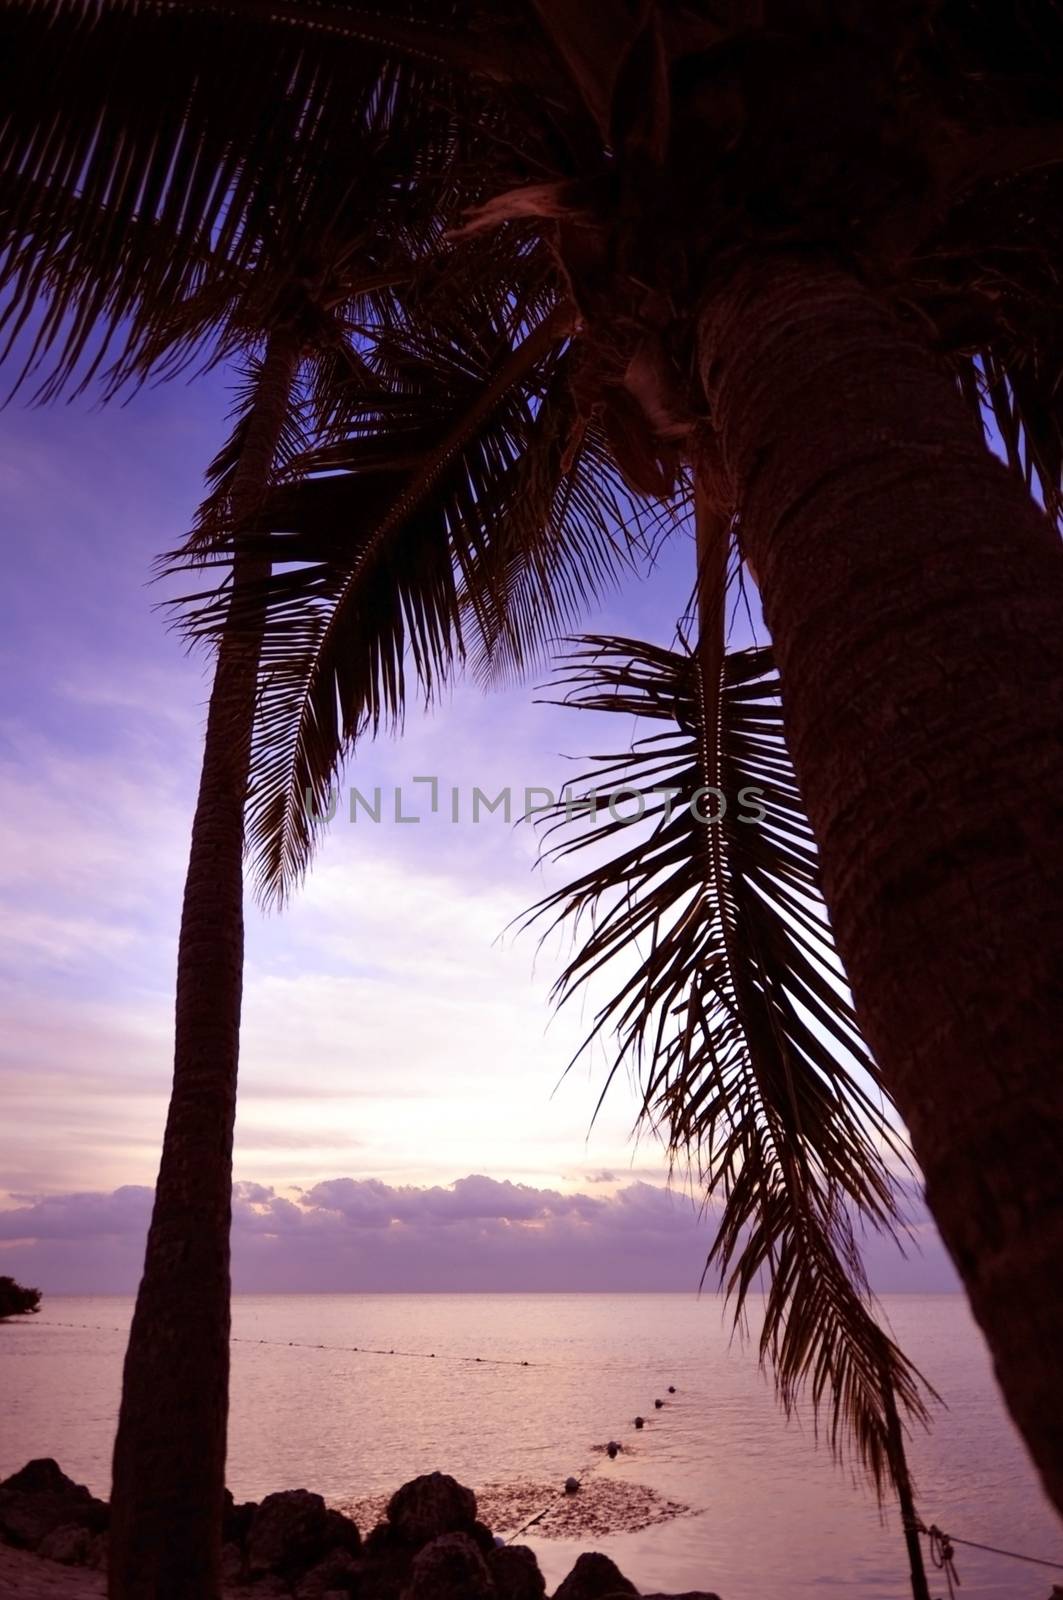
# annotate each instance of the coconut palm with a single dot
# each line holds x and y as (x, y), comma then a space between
(289, 326)
(824, 232)
(286, 293)
(841, 281)
(275, 278)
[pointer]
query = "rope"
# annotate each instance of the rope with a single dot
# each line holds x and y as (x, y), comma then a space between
(411, 1355)
(591, 1465)
(941, 1551)
(942, 1557)
(585, 1471)
(344, 1349)
(941, 1544)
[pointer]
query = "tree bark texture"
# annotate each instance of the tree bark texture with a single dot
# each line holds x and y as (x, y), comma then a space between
(914, 594)
(169, 1458)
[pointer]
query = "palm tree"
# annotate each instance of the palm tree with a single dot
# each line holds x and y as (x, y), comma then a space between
(842, 281)
(286, 292)
(827, 232)
(281, 292)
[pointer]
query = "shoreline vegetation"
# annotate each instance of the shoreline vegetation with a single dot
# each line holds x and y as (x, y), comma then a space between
(15, 1301)
(427, 1542)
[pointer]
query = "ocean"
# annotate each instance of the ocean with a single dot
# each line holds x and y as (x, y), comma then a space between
(718, 1491)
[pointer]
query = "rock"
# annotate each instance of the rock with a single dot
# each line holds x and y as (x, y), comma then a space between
(269, 1587)
(386, 1564)
(450, 1568)
(288, 1532)
(612, 1449)
(640, 1422)
(572, 1486)
(515, 1573)
(98, 1553)
(381, 1542)
(594, 1577)
(43, 1475)
(483, 1538)
(232, 1562)
(237, 1519)
(430, 1506)
(40, 1498)
(71, 1543)
(671, 1390)
(341, 1533)
(658, 1404)
(338, 1573)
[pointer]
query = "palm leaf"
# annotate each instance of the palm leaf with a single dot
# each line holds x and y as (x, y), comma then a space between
(151, 167)
(393, 543)
(729, 1003)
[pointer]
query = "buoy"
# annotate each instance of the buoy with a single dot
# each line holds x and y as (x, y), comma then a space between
(571, 1485)
(613, 1449)
(640, 1422)
(671, 1388)
(658, 1404)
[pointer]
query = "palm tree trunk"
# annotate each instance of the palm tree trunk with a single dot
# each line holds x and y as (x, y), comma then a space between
(169, 1458)
(914, 594)
(898, 1459)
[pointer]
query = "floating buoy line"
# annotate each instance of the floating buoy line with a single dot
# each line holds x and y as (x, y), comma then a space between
(342, 1349)
(574, 1482)
(375, 1350)
(941, 1543)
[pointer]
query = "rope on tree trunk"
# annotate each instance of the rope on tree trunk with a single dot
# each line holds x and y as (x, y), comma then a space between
(942, 1555)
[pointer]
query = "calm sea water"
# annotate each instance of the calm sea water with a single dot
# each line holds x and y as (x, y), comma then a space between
(773, 1515)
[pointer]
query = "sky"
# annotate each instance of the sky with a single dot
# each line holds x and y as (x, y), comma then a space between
(405, 1118)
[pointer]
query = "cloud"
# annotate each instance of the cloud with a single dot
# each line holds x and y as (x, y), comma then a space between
(362, 1234)
(370, 1203)
(76, 1217)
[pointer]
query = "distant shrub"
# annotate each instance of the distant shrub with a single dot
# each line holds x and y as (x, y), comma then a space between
(15, 1301)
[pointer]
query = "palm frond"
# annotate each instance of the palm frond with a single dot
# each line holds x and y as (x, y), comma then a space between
(215, 516)
(151, 169)
(565, 530)
(381, 552)
(728, 1001)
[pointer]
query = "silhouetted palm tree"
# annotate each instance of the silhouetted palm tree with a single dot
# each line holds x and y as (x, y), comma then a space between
(320, 249)
(279, 287)
(823, 233)
(805, 251)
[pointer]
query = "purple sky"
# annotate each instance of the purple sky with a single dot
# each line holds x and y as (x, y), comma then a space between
(393, 1041)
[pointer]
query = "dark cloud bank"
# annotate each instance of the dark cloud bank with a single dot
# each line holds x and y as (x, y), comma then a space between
(361, 1234)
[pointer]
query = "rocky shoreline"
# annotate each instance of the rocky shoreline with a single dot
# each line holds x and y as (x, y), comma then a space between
(430, 1544)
